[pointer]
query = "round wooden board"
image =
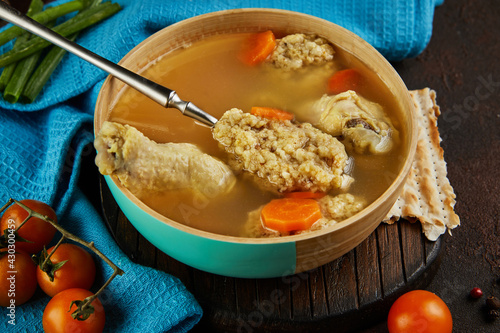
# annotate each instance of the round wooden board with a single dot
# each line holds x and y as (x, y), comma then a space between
(347, 294)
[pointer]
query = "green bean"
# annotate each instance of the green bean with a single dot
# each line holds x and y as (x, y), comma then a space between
(90, 3)
(9, 70)
(78, 22)
(48, 65)
(43, 72)
(21, 74)
(87, 17)
(44, 17)
(36, 6)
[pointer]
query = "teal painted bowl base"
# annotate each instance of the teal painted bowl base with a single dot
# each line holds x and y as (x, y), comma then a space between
(243, 260)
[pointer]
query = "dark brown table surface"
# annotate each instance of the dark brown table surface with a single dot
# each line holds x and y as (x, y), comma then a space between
(461, 64)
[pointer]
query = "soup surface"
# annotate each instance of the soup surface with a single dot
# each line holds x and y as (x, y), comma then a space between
(209, 74)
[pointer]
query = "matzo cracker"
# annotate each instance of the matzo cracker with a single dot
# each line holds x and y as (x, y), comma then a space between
(427, 194)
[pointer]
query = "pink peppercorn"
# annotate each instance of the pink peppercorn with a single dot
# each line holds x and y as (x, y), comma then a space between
(476, 293)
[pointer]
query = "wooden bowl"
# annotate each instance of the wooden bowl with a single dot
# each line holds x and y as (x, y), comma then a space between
(251, 257)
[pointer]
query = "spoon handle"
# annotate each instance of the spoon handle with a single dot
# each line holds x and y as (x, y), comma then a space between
(158, 93)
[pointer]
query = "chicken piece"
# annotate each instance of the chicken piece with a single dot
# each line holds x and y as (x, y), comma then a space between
(288, 156)
(363, 124)
(299, 50)
(334, 209)
(144, 165)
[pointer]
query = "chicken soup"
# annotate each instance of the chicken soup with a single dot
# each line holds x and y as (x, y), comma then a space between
(307, 136)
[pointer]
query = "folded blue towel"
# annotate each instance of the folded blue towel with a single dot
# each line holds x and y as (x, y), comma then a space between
(44, 142)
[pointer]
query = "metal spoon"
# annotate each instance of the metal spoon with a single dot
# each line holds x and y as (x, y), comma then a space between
(160, 94)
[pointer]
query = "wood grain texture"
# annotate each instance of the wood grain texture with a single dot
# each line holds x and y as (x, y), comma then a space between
(347, 294)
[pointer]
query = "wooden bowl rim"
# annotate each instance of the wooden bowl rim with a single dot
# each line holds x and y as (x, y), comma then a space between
(359, 217)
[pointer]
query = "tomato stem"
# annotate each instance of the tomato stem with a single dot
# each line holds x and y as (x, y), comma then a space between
(90, 299)
(42, 266)
(6, 205)
(25, 220)
(67, 235)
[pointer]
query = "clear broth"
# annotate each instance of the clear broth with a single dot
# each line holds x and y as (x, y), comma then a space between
(209, 74)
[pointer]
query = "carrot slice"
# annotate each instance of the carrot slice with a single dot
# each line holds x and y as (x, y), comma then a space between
(346, 79)
(290, 214)
(305, 195)
(271, 113)
(257, 48)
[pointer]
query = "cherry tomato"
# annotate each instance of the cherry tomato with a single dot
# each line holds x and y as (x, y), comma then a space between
(419, 311)
(77, 272)
(36, 230)
(17, 277)
(57, 314)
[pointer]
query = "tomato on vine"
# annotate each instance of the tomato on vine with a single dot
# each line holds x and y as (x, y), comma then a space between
(35, 233)
(419, 311)
(17, 277)
(57, 319)
(70, 266)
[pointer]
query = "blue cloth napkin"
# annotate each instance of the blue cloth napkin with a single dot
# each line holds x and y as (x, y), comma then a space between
(42, 143)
